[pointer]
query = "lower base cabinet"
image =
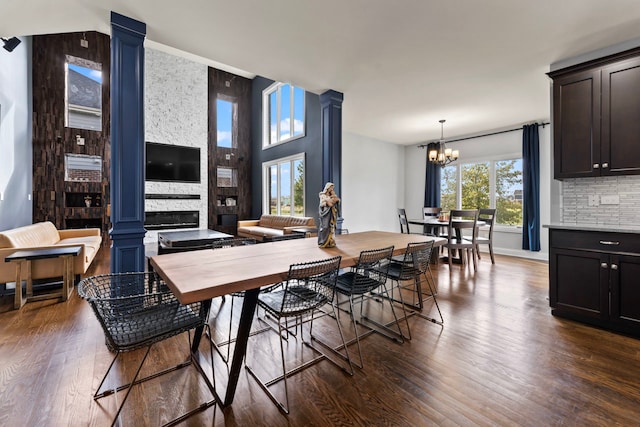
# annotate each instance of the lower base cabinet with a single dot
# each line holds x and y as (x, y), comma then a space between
(594, 277)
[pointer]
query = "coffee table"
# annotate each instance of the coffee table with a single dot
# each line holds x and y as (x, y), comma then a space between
(175, 241)
(65, 253)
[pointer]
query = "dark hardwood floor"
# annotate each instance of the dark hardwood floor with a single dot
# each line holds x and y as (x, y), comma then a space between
(500, 359)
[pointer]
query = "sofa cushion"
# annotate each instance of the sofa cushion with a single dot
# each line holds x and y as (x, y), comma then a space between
(91, 245)
(261, 231)
(282, 221)
(38, 234)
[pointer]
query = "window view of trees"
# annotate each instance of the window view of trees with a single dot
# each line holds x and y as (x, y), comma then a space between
(286, 187)
(475, 186)
(476, 180)
(509, 192)
(449, 188)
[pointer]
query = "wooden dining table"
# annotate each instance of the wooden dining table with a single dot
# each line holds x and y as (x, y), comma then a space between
(205, 274)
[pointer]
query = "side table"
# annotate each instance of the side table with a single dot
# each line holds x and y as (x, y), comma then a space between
(24, 258)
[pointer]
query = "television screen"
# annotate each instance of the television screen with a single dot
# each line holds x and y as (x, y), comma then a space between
(172, 163)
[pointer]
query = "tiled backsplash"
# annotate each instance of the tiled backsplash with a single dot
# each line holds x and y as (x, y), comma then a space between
(575, 200)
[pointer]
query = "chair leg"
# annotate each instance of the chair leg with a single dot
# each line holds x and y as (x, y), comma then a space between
(435, 301)
(478, 251)
(493, 261)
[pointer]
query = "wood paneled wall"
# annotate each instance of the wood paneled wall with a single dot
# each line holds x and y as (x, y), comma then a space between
(230, 87)
(51, 139)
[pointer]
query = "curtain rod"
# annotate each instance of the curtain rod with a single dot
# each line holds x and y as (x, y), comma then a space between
(483, 135)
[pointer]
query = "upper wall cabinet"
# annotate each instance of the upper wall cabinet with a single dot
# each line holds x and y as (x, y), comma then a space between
(596, 117)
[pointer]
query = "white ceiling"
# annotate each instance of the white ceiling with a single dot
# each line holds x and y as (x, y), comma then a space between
(402, 65)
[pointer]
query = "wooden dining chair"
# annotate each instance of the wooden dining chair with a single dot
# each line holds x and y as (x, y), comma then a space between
(486, 217)
(431, 213)
(460, 222)
(404, 222)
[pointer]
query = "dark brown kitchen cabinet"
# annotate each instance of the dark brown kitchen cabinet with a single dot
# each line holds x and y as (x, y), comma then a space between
(594, 277)
(596, 117)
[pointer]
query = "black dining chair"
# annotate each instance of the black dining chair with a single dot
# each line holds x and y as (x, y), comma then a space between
(410, 275)
(404, 223)
(137, 310)
(364, 281)
(230, 243)
(307, 289)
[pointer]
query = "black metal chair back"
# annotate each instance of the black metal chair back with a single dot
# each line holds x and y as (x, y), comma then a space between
(368, 274)
(137, 310)
(308, 286)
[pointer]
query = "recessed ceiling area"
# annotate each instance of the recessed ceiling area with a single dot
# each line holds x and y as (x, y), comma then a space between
(402, 66)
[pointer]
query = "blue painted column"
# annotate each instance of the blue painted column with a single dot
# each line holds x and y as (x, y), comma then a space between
(127, 144)
(331, 117)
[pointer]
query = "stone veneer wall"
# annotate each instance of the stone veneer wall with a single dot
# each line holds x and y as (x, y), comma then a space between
(176, 109)
(575, 200)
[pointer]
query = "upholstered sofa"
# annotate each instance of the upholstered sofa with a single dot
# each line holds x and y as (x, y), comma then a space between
(45, 235)
(269, 226)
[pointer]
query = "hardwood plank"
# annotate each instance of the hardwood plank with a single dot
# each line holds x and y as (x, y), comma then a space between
(500, 359)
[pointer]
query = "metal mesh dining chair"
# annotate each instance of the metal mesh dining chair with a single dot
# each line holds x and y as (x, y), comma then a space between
(230, 243)
(309, 286)
(367, 276)
(137, 310)
(414, 271)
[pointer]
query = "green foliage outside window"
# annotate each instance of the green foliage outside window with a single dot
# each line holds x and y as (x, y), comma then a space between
(475, 186)
(476, 192)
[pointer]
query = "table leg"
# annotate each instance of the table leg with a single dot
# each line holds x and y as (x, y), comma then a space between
(29, 279)
(240, 349)
(67, 277)
(18, 302)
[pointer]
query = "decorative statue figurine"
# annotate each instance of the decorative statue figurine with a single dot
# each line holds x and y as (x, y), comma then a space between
(328, 213)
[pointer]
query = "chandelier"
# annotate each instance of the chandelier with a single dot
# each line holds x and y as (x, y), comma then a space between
(442, 155)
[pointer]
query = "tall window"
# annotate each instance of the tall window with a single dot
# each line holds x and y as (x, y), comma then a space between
(284, 186)
(494, 184)
(225, 111)
(83, 94)
(284, 113)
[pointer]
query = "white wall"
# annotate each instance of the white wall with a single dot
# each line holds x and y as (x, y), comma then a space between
(176, 112)
(15, 136)
(372, 183)
(496, 147)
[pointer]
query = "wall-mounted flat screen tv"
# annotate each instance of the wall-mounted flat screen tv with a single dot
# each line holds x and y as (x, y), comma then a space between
(175, 163)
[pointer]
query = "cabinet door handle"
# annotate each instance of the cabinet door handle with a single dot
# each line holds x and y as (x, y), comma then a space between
(604, 265)
(609, 242)
(596, 165)
(614, 266)
(605, 165)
